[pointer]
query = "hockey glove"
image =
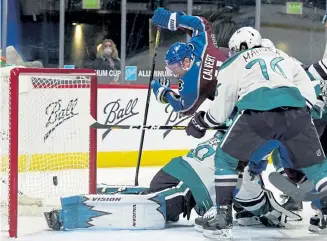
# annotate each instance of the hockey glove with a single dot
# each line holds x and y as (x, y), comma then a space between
(188, 204)
(160, 89)
(197, 126)
(164, 82)
(166, 19)
(164, 94)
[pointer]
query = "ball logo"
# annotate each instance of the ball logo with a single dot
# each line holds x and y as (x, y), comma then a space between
(173, 119)
(131, 73)
(117, 113)
(58, 112)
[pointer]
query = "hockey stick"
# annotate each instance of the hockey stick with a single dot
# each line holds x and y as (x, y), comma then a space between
(147, 104)
(300, 194)
(100, 126)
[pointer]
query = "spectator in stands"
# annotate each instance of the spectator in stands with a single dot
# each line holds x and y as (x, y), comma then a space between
(107, 63)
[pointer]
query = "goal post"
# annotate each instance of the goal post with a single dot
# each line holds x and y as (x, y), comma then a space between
(50, 151)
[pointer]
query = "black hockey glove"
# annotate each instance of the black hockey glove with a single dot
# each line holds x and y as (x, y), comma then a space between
(188, 204)
(197, 126)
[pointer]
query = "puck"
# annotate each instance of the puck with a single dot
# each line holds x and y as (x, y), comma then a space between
(55, 180)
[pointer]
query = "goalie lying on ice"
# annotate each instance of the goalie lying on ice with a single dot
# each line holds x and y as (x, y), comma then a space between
(184, 184)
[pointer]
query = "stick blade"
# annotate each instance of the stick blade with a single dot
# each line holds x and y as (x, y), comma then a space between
(300, 194)
(286, 186)
(91, 121)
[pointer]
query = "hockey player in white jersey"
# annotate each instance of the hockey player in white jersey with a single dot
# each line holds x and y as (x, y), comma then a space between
(273, 95)
(317, 72)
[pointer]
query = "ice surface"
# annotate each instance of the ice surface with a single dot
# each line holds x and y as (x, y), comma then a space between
(35, 229)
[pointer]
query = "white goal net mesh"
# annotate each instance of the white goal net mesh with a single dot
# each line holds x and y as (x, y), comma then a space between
(53, 139)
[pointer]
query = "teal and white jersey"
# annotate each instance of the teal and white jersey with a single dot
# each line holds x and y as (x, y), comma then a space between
(196, 170)
(259, 79)
(317, 72)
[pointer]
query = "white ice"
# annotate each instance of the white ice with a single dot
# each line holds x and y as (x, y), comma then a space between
(35, 229)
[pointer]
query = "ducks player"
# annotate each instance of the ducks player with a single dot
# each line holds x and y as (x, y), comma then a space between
(318, 75)
(270, 91)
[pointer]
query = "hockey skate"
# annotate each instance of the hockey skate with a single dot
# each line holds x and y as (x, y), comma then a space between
(200, 221)
(291, 205)
(219, 223)
(53, 219)
(319, 221)
(246, 218)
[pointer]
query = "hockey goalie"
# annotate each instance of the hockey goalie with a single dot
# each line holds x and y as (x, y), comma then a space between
(183, 185)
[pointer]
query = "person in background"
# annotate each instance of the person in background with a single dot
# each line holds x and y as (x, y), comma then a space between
(107, 63)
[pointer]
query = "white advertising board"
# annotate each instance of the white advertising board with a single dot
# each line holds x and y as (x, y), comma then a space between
(126, 107)
(55, 121)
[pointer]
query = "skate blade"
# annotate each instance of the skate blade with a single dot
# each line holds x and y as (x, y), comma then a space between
(198, 228)
(222, 234)
(317, 230)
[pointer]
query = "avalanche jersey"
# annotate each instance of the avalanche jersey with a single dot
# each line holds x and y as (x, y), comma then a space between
(200, 80)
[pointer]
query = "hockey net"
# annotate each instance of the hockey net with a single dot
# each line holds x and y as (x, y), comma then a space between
(47, 147)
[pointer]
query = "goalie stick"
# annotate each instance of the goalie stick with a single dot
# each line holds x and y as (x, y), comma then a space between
(100, 126)
(303, 193)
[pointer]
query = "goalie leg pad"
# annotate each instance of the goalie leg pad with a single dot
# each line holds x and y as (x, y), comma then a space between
(261, 202)
(119, 211)
(103, 188)
(178, 196)
(250, 196)
(277, 215)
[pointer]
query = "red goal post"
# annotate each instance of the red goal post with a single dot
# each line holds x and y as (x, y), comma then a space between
(49, 138)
